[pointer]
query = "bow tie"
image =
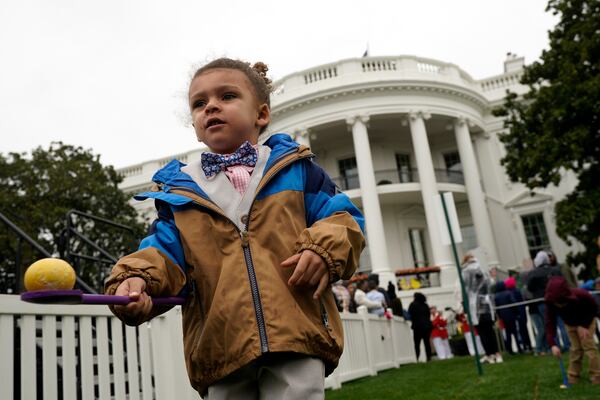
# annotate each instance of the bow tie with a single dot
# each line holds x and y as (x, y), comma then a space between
(213, 163)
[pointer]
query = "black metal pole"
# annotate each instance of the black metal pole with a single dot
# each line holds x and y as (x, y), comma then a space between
(25, 236)
(462, 287)
(90, 243)
(19, 266)
(39, 248)
(96, 218)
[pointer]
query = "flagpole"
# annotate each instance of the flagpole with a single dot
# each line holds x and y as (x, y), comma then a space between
(462, 287)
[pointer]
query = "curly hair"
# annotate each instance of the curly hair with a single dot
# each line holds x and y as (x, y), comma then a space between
(256, 74)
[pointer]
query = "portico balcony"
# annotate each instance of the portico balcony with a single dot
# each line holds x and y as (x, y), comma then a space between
(398, 176)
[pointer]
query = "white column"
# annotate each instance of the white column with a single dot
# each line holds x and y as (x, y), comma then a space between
(370, 201)
(441, 254)
(479, 212)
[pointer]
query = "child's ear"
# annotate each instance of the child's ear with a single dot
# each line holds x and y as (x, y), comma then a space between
(264, 115)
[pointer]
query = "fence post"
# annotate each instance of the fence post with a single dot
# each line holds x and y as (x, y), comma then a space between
(7, 346)
(364, 313)
(162, 357)
(393, 333)
(183, 388)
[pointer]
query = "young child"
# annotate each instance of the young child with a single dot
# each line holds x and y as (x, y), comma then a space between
(465, 328)
(252, 235)
(439, 334)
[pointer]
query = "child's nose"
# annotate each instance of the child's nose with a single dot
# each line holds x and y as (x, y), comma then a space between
(212, 106)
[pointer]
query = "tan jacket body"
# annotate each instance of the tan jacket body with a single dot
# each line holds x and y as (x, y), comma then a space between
(239, 305)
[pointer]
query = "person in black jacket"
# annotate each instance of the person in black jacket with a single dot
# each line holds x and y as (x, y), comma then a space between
(517, 297)
(421, 324)
(509, 316)
(395, 302)
(537, 281)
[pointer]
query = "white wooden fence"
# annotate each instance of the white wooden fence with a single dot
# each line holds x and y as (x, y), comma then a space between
(84, 352)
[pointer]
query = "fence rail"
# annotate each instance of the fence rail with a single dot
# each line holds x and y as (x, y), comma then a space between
(83, 352)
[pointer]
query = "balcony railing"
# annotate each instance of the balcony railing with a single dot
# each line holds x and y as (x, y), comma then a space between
(448, 176)
(403, 175)
(347, 182)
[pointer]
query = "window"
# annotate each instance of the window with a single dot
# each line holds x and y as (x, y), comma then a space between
(417, 245)
(452, 161)
(535, 232)
(403, 165)
(453, 168)
(349, 173)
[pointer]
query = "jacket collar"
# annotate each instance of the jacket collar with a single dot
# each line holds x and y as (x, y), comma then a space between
(170, 176)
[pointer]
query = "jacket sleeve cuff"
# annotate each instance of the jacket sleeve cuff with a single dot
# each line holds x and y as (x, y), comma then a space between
(113, 282)
(332, 268)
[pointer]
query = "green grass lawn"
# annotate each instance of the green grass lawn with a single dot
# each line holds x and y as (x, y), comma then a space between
(519, 377)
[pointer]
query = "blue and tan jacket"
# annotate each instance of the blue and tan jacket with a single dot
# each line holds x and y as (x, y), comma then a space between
(223, 252)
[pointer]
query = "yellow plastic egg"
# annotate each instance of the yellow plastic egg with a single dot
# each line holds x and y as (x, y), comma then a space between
(49, 274)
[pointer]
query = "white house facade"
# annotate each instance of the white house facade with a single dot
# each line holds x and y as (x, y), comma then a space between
(393, 132)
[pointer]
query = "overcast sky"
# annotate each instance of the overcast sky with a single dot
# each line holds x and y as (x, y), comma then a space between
(111, 75)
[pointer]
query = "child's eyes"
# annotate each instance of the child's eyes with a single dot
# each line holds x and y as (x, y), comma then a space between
(202, 103)
(198, 104)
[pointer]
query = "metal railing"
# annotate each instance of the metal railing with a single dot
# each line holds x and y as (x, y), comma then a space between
(347, 182)
(403, 175)
(449, 176)
(21, 238)
(73, 243)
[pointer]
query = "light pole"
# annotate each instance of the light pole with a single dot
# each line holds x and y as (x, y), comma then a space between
(460, 278)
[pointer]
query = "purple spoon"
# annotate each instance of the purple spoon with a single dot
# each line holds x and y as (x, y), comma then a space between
(76, 296)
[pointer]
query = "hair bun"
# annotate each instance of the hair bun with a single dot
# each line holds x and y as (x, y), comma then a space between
(261, 69)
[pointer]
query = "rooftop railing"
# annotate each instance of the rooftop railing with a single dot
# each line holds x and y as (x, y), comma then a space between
(501, 81)
(376, 69)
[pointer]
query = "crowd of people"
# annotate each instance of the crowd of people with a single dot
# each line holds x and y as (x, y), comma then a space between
(563, 316)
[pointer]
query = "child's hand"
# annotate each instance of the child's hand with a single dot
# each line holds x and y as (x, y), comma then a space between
(310, 270)
(141, 304)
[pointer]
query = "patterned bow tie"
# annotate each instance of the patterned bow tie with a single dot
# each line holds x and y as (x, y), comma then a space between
(213, 163)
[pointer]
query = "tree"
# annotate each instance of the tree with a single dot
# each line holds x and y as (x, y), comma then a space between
(554, 129)
(38, 190)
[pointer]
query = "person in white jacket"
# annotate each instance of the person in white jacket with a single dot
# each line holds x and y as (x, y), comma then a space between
(361, 299)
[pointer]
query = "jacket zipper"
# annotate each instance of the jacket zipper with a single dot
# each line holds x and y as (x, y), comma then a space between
(258, 310)
(260, 318)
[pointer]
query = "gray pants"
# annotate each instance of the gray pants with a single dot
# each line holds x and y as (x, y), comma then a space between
(282, 376)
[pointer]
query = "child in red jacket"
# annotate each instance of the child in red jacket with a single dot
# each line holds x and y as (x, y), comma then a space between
(465, 328)
(439, 334)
